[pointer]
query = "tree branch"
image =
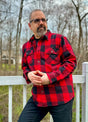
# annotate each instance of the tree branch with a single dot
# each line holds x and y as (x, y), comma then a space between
(74, 3)
(84, 16)
(1, 21)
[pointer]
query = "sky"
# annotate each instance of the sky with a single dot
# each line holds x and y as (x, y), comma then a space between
(61, 1)
(64, 1)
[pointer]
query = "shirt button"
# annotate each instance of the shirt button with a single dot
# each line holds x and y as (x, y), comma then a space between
(51, 51)
(42, 91)
(38, 61)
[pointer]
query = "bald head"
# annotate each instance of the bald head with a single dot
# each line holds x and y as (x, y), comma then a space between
(36, 10)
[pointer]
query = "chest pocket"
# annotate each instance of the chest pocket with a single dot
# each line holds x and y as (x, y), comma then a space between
(51, 53)
(51, 56)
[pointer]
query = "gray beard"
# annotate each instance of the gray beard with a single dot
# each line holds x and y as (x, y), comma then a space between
(41, 33)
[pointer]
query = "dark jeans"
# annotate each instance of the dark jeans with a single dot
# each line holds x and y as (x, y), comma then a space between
(60, 113)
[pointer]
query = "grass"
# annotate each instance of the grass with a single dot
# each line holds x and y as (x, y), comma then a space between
(1, 117)
(6, 67)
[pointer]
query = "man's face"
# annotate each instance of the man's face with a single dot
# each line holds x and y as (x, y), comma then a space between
(38, 24)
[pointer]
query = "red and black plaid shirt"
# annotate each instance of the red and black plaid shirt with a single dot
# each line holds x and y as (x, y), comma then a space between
(53, 55)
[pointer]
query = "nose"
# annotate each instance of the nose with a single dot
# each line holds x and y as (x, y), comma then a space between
(40, 22)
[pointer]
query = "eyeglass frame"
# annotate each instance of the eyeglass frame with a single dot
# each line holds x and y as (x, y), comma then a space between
(38, 20)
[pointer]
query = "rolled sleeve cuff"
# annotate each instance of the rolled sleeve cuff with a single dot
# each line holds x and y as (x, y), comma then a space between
(26, 77)
(52, 77)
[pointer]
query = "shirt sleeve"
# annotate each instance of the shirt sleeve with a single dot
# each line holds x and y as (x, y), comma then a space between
(68, 62)
(25, 65)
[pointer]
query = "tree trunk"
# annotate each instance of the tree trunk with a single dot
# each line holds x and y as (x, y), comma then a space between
(10, 41)
(80, 36)
(86, 34)
(1, 53)
(19, 25)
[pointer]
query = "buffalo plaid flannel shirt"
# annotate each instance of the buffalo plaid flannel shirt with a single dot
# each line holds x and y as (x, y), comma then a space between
(53, 55)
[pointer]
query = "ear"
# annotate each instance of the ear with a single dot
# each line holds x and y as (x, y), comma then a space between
(29, 25)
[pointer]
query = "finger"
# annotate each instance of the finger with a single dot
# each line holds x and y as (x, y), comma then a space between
(38, 78)
(36, 82)
(35, 72)
(40, 73)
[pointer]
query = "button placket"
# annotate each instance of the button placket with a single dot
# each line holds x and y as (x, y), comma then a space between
(38, 54)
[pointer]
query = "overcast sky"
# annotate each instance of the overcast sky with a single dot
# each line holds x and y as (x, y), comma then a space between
(64, 1)
(61, 1)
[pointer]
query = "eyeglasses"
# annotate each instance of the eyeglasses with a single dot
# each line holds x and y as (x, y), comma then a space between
(38, 20)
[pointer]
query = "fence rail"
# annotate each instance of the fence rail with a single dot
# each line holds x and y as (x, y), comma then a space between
(10, 81)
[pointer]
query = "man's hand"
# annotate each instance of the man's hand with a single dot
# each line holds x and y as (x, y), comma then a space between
(34, 78)
(38, 78)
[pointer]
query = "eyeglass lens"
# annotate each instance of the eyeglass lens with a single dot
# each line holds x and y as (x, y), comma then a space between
(38, 20)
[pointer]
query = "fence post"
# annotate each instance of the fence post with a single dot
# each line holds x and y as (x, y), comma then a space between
(24, 95)
(85, 93)
(77, 103)
(10, 105)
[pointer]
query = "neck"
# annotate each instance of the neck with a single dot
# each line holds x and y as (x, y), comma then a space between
(37, 37)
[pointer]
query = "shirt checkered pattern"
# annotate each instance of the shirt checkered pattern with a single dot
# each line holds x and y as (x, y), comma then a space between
(53, 55)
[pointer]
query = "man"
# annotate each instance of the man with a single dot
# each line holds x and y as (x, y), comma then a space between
(47, 62)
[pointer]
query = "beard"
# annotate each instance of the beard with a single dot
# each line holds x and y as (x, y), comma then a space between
(41, 30)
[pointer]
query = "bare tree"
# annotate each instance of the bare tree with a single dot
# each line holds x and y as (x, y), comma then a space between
(80, 49)
(19, 25)
(80, 19)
